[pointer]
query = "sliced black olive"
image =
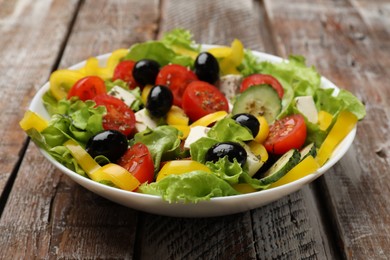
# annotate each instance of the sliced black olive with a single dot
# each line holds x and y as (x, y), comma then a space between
(145, 71)
(207, 67)
(160, 100)
(249, 121)
(110, 143)
(230, 149)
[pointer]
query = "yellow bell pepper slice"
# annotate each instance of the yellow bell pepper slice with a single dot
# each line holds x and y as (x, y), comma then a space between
(263, 131)
(109, 172)
(184, 129)
(179, 167)
(145, 93)
(91, 67)
(345, 122)
(324, 119)
(210, 118)
(115, 57)
(33, 120)
(305, 167)
(61, 81)
(243, 188)
(117, 175)
(229, 57)
(176, 116)
(220, 52)
(258, 150)
(186, 52)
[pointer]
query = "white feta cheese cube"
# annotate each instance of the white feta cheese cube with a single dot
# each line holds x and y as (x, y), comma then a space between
(195, 134)
(144, 121)
(123, 95)
(307, 107)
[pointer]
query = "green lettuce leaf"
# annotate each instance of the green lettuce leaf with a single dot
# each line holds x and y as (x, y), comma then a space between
(180, 38)
(159, 52)
(193, 187)
(163, 143)
(224, 130)
(229, 130)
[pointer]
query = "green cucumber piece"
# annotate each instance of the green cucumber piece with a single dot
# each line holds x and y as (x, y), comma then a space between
(309, 149)
(259, 100)
(282, 166)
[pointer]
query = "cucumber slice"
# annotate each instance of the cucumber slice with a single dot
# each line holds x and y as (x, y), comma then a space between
(282, 166)
(309, 149)
(259, 100)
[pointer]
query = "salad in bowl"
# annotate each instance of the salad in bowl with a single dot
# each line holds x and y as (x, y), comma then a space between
(181, 123)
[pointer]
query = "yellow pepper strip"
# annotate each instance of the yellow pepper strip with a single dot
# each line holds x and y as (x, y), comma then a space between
(110, 172)
(345, 122)
(179, 167)
(176, 116)
(229, 57)
(263, 131)
(243, 188)
(184, 129)
(324, 119)
(91, 67)
(115, 57)
(61, 82)
(186, 52)
(33, 120)
(258, 150)
(209, 119)
(117, 175)
(145, 93)
(220, 52)
(305, 167)
(108, 71)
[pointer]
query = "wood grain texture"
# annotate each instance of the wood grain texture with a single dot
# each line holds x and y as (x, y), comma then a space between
(47, 215)
(26, 61)
(349, 45)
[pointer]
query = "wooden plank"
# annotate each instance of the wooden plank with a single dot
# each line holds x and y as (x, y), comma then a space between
(47, 215)
(348, 42)
(289, 228)
(26, 61)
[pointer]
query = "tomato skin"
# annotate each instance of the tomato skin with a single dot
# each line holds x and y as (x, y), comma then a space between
(124, 71)
(177, 78)
(119, 116)
(258, 79)
(139, 162)
(201, 98)
(286, 134)
(87, 88)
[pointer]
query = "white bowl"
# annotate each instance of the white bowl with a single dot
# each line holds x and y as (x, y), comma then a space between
(215, 206)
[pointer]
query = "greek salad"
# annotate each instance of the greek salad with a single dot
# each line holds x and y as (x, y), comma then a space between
(176, 119)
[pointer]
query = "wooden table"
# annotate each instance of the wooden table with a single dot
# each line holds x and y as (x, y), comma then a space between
(343, 215)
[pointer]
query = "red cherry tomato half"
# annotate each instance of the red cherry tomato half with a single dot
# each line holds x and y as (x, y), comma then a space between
(201, 98)
(258, 79)
(87, 88)
(124, 71)
(119, 116)
(138, 161)
(177, 78)
(286, 134)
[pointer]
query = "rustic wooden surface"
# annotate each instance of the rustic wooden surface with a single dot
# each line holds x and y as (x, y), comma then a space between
(342, 215)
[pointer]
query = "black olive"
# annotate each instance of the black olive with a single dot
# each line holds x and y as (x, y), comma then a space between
(249, 121)
(207, 67)
(110, 143)
(160, 100)
(145, 71)
(230, 149)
